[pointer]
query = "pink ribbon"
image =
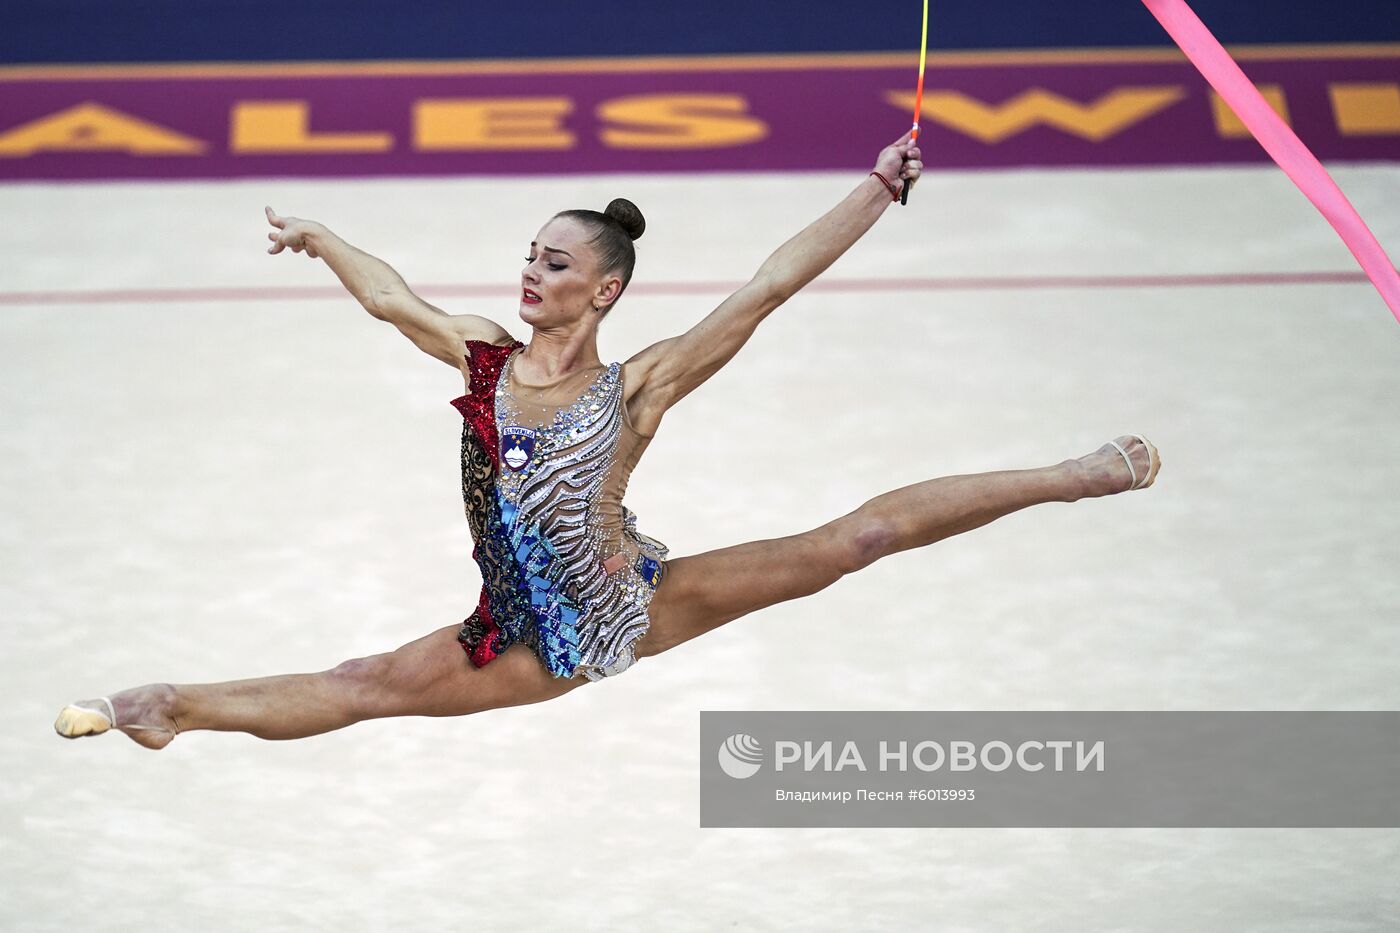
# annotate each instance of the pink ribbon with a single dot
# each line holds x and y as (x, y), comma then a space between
(1280, 142)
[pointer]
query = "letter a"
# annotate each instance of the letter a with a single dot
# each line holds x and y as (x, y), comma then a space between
(90, 127)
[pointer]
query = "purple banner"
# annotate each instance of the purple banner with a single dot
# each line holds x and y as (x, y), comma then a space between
(981, 110)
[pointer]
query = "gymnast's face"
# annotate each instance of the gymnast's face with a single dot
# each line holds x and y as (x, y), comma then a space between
(561, 282)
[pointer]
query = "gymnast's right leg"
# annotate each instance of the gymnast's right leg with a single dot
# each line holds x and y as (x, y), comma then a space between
(430, 676)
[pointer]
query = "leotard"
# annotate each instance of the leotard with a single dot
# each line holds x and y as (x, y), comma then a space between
(563, 567)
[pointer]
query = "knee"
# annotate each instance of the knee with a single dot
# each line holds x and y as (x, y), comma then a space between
(861, 541)
(364, 683)
(358, 671)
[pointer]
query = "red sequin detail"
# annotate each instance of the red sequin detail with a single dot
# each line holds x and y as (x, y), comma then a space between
(482, 654)
(484, 363)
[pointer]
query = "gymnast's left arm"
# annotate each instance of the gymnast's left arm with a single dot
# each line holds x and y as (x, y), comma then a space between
(674, 367)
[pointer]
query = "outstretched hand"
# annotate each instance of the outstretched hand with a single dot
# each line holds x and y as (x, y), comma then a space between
(292, 232)
(900, 160)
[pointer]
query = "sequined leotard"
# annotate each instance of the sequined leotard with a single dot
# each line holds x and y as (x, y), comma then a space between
(564, 569)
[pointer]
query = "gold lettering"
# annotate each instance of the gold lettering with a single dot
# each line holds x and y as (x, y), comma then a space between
(492, 123)
(283, 126)
(680, 121)
(89, 127)
(1366, 109)
(992, 123)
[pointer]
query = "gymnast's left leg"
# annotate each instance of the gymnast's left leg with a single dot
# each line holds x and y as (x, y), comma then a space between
(430, 676)
(704, 591)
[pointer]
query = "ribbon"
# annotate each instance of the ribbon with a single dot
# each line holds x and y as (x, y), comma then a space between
(1280, 142)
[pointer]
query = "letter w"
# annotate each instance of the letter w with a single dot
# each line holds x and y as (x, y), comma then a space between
(991, 123)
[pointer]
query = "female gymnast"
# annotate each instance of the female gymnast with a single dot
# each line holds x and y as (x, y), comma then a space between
(572, 592)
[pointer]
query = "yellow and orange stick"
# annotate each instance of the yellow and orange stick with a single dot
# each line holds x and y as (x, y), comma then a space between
(919, 94)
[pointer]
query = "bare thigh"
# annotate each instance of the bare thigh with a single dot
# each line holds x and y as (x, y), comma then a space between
(432, 676)
(704, 591)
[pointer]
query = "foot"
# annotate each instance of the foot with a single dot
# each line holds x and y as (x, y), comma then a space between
(144, 714)
(1107, 472)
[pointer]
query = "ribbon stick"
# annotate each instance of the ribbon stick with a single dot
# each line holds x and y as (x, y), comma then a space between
(918, 95)
(1280, 142)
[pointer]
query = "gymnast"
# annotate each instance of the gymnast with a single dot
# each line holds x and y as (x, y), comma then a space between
(572, 591)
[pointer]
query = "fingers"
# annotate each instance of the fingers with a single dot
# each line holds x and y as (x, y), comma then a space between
(281, 241)
(913, 158)
(273, 219)
(295, 243)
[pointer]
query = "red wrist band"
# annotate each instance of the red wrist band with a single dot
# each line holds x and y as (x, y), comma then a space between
(894, 192)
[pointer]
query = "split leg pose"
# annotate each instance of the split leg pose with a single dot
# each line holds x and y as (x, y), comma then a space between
(528, 652)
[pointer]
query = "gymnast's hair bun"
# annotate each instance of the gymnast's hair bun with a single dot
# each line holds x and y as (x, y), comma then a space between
(628, 217)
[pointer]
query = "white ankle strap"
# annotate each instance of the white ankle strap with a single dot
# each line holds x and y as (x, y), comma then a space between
(1128, 460)
(1147, 447)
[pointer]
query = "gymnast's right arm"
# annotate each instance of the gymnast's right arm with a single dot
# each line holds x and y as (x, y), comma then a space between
(383, 292)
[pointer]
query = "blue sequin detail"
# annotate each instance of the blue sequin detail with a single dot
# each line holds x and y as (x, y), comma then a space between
(540, 593)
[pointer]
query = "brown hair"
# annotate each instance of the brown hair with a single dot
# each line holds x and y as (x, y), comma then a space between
(613, 231)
